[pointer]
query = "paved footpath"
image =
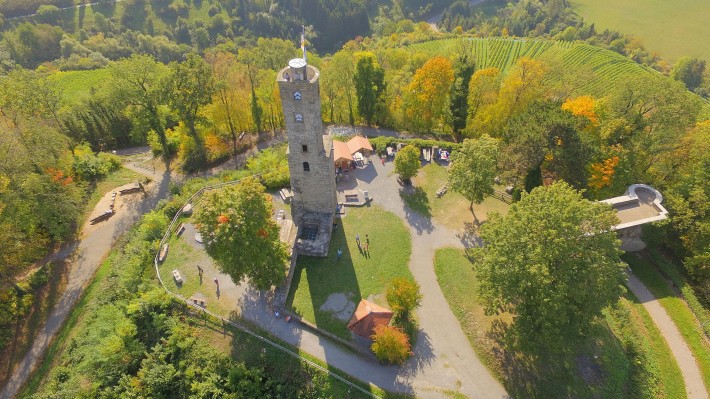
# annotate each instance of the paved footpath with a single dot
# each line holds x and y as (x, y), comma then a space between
(89, 254)
(686, 361)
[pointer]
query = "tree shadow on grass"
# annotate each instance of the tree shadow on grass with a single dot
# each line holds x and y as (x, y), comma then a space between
(470, 237)
(573, 369)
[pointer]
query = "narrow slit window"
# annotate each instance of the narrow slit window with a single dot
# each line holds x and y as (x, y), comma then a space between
(306, 167)
(304, 147)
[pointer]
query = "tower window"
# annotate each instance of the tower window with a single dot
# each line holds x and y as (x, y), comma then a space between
(304, 147)
(306, 167)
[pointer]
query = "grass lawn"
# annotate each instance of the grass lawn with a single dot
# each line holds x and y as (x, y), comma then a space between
(672, 28)
(185, 258)
(353, 275)
(686, 322)
(624, 356)
(451, 210)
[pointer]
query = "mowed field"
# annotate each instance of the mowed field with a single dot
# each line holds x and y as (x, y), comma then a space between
(672, 28)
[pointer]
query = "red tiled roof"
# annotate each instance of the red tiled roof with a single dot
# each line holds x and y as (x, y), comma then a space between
(342, 152)
(359, 143)
(367, 316)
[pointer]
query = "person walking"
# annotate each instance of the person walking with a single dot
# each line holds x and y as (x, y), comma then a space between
(357, 239)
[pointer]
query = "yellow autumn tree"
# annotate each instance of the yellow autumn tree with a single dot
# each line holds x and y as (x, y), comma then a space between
(582, 106)
(526, 82)
(427, 96)
(482, 92)
(230, 109)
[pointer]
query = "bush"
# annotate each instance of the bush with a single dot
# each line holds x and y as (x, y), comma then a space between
(403, 296)
(380, 143)
(272, 165)
(390, 345)
(89, 166)
(40, 277)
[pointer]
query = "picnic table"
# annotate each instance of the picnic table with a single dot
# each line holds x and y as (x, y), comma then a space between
(177, 276)
(440, 192)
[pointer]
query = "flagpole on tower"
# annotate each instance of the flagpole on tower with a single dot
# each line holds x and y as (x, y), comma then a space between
(303, 42)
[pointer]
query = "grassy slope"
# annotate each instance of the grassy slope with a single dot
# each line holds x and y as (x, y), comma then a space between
(677, 309)
(672, 28)
(652, 372)
(354, 275)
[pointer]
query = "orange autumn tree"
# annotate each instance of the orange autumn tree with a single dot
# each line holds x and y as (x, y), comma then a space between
(582, 106)
(603, 173)
(390, 345)
(427, 96)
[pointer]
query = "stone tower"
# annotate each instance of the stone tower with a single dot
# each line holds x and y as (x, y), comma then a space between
(310, 157)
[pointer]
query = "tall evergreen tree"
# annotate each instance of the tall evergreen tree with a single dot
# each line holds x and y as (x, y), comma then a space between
(369, 81)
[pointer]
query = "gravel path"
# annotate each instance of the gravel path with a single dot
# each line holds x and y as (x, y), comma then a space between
(686, 361)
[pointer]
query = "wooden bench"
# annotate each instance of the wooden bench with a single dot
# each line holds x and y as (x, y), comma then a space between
(163, 253)
(177, 276)
(180, 229)
(103, 216)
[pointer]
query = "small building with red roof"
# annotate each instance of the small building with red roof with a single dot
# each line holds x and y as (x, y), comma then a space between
(367, 316)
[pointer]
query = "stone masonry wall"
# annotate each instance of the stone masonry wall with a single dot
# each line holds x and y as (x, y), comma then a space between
(313, 190)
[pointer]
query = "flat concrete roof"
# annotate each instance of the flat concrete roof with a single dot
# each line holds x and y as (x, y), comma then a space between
(640, 205)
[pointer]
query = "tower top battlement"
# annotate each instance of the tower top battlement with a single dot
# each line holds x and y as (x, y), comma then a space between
(294, 72)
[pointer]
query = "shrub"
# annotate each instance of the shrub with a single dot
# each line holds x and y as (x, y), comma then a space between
(390, 345)
(403, 296)
(272, 165)
(406, 162)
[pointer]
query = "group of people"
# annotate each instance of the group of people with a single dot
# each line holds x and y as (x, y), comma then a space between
(363, 247)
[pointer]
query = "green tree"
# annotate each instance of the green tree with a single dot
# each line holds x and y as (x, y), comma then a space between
(369, 81)
(689, 71)
(188, 87)
(138, 85)
(403, 296)
(390, 345)
(241, 235)
(553, 262)
(406, 162)
(473, 169)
